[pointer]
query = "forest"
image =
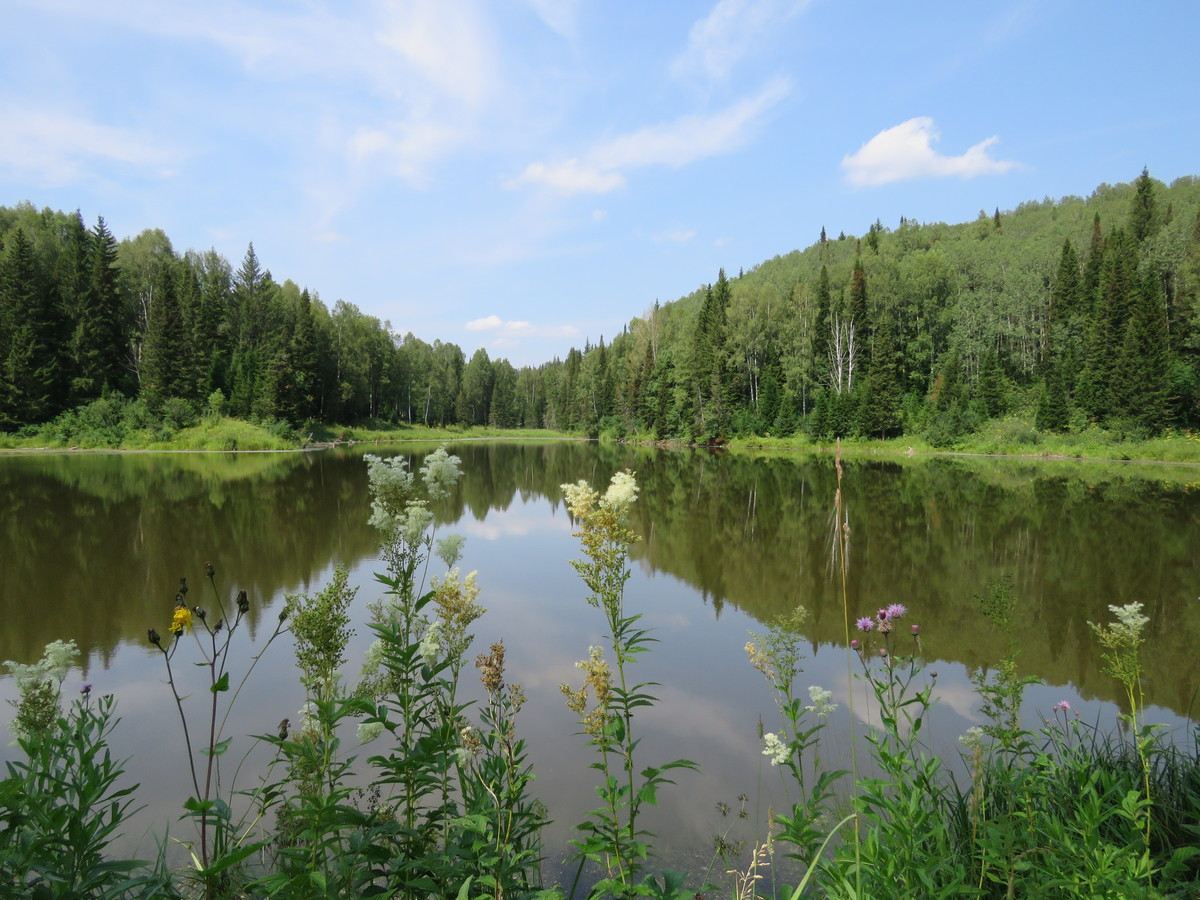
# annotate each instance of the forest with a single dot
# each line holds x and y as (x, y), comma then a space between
(1065, 314)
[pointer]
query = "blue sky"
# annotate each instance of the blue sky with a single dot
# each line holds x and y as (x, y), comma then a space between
(521, 175)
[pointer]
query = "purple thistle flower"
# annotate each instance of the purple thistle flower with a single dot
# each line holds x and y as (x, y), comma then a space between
(854, 645)
(86, 689)
(882, 615)
(864, 624)
(896, 610)
(916, 629)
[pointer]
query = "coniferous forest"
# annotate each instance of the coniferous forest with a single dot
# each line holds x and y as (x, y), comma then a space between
(1066, 313)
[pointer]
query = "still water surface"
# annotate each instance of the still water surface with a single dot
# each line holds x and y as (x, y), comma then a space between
(92, 547)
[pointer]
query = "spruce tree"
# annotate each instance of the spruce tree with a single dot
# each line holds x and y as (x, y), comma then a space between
(30, 370)
(1141, 212)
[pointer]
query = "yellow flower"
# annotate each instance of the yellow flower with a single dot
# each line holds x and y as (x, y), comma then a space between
(182, 620)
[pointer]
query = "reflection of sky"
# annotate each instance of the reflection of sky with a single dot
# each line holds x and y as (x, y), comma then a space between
(713, 704)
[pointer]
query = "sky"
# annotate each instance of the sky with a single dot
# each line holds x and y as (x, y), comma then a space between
(523, 176)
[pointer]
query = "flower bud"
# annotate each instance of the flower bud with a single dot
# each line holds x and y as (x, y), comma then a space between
(243, 602)
(854, 645)
(883, 652)
(916, 629)
(200, 613)
(209, 571)
(86, 689)
(153, 636)
(183, 588)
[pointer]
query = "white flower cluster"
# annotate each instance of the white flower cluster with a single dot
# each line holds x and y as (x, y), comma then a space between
(973, 739)
(775, 749)
(57, 658)
(1130, 622)
(368, 731)
(440, 472)
(622, 491)
(431, 644)
(820, 701)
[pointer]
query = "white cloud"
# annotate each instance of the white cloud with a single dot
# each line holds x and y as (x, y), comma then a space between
(508, 330)
(57, 148)
(718, 42)
(677, 143)
(905, 152)
(569, 177)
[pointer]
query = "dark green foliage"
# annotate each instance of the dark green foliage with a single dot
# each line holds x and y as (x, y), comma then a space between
(1142, 220)
(755, 353)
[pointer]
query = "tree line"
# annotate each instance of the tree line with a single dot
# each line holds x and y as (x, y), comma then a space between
(1068, 313)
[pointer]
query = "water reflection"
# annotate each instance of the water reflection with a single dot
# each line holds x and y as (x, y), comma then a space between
(93, 546)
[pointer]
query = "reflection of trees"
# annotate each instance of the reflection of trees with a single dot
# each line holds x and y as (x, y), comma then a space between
(94, 545)
(931, 534)
(751, 531)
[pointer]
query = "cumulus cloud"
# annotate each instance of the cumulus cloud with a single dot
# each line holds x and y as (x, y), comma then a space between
(675, 144)
(905, 152)
(721, 39)
(507, 330)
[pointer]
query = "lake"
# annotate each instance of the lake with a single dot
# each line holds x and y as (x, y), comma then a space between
(93, 546)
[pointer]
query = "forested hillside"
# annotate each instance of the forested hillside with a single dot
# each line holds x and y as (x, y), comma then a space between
(1069, 313)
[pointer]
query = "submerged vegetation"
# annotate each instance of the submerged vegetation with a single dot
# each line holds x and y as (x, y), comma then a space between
(387, 782)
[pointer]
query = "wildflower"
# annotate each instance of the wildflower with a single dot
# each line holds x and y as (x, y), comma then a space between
(430, 644)
(622, 491)
(896, 610)
(854, 644)
(368, 731)
(440, 472)
(864, 624)
(883, 652)
(491, 668)
(1062, 706)
(449, 549)
(86, 689)
(973, 739)
(470, 739)
(820, 701)
(181, 621)
(916, 629)
(775, 749)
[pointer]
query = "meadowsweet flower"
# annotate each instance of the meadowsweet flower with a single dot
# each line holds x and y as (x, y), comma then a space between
(622, 491)
(775, 749)
(368, 731)
(430, 644)
(896, 610)
(1130, 621)
(440, 472)
(449, 549)
(820, 701)
(865, 624)
(973, 739)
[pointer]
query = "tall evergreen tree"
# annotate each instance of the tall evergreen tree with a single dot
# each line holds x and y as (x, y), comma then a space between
(1141, 213)
(99, 341)
(30, 369)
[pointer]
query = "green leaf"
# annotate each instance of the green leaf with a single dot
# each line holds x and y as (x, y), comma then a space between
(219, 749)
